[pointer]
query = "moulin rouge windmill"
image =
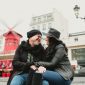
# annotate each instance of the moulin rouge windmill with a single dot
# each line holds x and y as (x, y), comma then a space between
(11, 42)
(12, 39)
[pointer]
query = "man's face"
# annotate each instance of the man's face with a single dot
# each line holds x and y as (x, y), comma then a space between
(36, 39)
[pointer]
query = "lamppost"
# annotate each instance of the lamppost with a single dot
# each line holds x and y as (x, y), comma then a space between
(76, 10)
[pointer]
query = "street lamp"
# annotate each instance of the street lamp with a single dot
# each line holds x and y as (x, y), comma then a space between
(76, 10)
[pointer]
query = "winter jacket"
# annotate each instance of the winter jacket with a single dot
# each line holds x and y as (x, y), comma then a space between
(57, 60)
(24, 57)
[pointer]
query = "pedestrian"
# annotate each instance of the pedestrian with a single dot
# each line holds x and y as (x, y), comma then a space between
(27, 52)
(58, 68)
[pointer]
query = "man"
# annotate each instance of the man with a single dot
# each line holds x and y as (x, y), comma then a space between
(28, 52)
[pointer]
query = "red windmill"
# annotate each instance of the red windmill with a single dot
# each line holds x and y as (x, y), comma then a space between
(11, 42)
(12, 39)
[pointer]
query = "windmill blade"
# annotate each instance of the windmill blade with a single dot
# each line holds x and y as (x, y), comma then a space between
(16, 24)
(4, 23)
(2, 31)
(1, 36)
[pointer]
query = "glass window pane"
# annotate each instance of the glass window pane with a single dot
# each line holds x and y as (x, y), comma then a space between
(78, 54)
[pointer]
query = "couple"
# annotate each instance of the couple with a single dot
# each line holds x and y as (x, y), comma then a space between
(53, 62)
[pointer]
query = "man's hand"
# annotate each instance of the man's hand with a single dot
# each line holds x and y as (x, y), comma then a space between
(33, 67)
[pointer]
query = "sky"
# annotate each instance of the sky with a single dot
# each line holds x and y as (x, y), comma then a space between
(21, 11)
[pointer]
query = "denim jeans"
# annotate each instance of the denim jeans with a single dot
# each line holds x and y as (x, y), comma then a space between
(55, 78)
(21, 79)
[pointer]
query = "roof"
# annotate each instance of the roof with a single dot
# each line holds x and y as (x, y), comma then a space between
(13, 32)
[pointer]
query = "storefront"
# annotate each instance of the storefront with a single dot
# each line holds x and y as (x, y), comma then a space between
(5, 67)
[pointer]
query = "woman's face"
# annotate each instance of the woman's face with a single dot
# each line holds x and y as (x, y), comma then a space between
(47, 40)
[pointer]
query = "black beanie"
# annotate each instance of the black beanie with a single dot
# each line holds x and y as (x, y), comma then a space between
(33, 33)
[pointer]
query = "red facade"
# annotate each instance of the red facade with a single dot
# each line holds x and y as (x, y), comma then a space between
(12, 40)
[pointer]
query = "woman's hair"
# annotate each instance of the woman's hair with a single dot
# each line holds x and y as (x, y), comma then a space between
(53, 41)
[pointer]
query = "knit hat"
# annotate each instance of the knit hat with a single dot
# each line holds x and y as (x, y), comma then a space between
(33, 33)
(54, 33)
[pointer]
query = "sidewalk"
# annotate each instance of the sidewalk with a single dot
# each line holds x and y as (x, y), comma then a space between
(76, 81)
(3, 81)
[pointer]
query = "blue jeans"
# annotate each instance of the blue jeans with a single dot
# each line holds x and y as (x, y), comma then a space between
(55, 78)
(22, 78)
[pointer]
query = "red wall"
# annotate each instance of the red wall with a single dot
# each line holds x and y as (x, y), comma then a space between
(11, 42)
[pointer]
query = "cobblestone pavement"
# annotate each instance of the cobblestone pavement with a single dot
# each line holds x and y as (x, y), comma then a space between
(76, 81)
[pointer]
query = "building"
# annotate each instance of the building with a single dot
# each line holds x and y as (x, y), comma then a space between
(74, 41)
(76, 47)
(10, 41)
(53, 19)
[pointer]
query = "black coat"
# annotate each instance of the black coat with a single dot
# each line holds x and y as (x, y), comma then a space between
(21, 63)
(57, 60)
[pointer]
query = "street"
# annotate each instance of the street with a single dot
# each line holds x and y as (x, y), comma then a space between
(76, 81)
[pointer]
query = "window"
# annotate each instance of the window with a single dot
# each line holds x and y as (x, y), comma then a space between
(49, 17)
(39, 19)
(49, 25)
(78, 54)
(44, 18)
(76, 39)
(9, 42)
(15, 42)
(44, 27)
(38, 27)
(34, 20)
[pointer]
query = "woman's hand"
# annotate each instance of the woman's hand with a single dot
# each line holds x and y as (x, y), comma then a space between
(41, 69)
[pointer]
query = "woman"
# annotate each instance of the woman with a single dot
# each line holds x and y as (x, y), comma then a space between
(58, 68)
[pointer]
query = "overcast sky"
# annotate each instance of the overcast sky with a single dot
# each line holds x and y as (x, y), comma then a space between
(21, 11)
